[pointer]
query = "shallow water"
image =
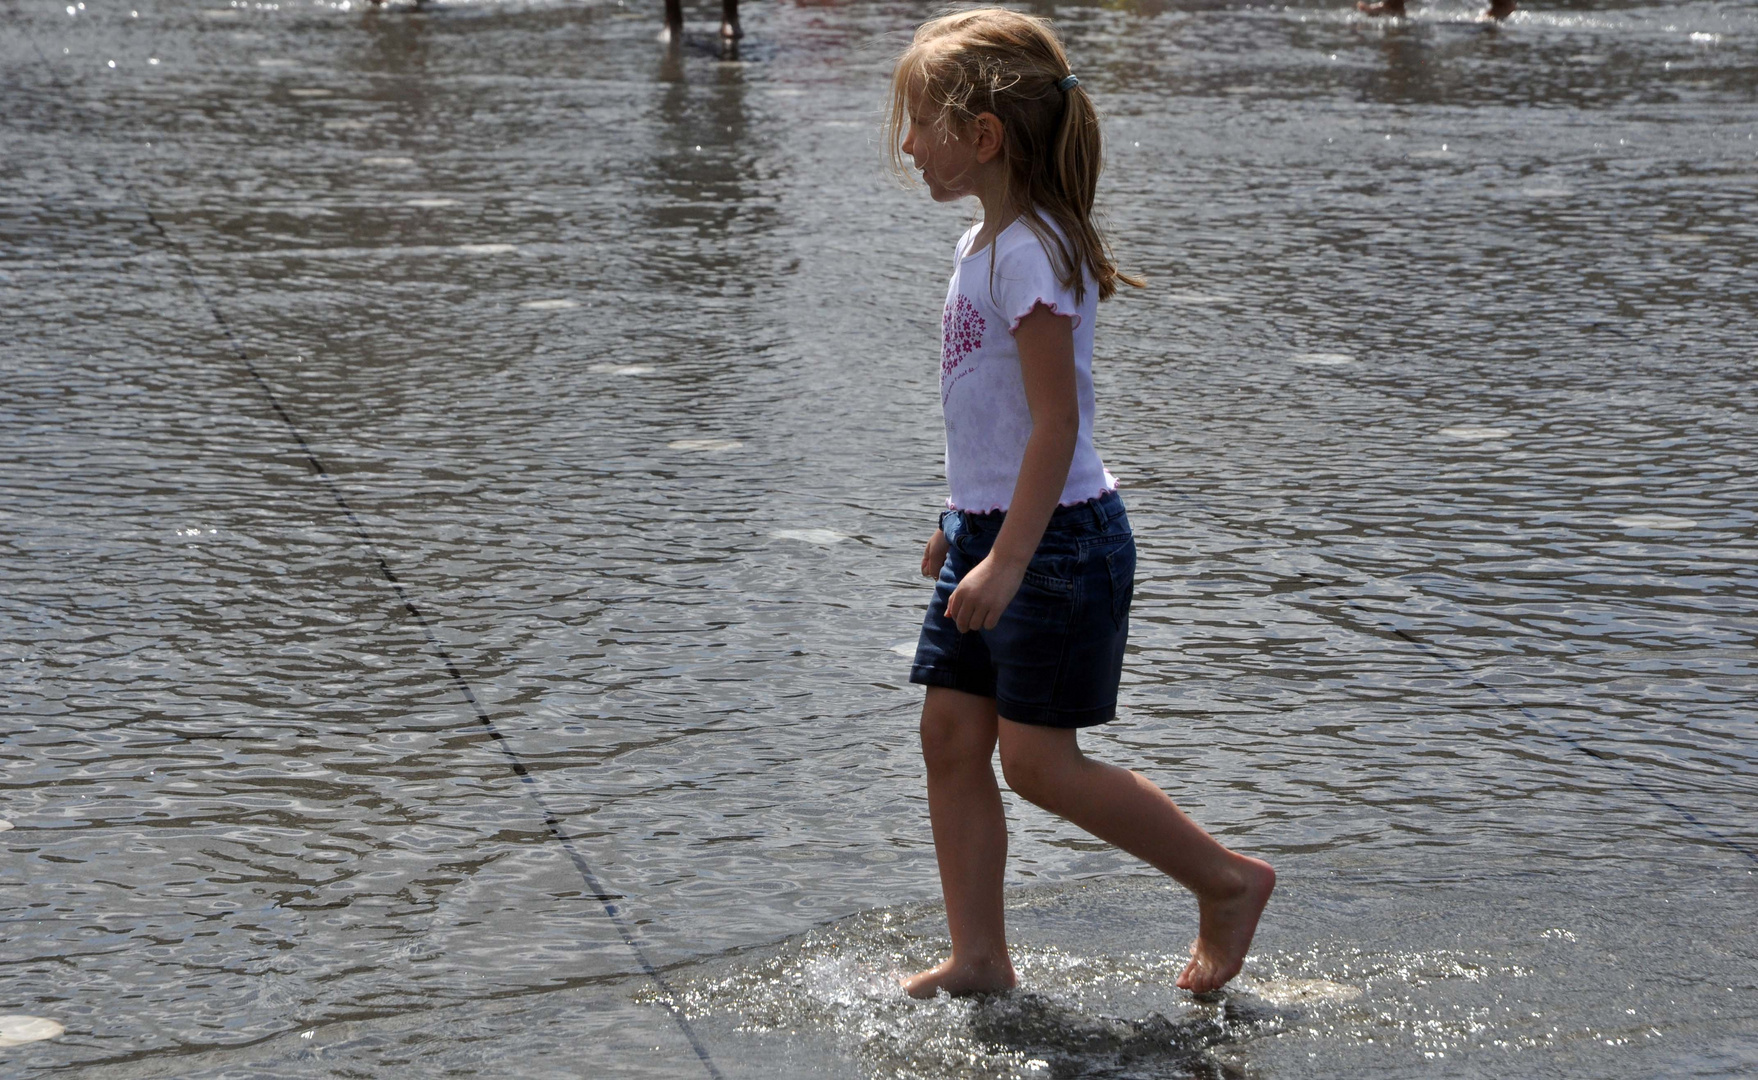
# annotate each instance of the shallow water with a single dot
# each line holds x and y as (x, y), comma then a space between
(1436, 422)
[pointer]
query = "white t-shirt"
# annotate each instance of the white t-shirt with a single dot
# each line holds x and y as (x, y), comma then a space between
(982, 393)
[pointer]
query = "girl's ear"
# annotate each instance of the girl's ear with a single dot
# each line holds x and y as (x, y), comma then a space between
(986, 131)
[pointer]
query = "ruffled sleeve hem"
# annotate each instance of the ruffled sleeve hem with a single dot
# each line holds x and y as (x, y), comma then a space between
(1055, 306)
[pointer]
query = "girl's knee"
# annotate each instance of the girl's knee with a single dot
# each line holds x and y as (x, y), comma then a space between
(1032, 773)
(955, 738)
(947, 749)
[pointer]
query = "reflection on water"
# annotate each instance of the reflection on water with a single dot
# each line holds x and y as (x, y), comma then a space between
(624, 357)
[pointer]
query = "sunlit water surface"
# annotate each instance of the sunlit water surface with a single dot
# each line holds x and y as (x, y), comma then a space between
(1436, 421)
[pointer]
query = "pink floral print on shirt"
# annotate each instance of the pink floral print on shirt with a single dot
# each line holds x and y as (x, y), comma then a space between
(961, 331)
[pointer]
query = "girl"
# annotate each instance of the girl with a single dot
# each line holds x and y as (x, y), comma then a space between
(1023, 641)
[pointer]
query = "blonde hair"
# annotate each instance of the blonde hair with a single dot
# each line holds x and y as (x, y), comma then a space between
(992, 60)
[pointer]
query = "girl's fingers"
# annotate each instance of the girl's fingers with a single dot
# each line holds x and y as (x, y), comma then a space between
(960, 609)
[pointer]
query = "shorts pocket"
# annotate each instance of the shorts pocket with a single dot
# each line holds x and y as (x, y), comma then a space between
(1051, 572)
(1047, 583)
(1120, 562)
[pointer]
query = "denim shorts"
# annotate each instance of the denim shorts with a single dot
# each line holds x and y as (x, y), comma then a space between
(1055, 656)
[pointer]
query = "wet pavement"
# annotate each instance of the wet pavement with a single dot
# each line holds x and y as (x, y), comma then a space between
(462, 472)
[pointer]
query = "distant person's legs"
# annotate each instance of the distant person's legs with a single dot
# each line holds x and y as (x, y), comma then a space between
(674, 20)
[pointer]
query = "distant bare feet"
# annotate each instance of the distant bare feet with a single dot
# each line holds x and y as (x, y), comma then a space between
(1384, 7)
(980, 978)
(1499, 9)
(1225, 928)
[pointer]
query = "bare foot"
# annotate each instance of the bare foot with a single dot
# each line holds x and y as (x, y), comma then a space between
(955, 979)
(1385, 7)
(1225, 928)
(1499, 9)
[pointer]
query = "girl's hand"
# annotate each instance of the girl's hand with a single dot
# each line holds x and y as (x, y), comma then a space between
(984, 594)
(934, 555)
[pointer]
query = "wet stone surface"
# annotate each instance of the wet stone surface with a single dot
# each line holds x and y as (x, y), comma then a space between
(1436, 422)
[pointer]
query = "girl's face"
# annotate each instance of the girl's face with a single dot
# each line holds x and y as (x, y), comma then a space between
(948, 163)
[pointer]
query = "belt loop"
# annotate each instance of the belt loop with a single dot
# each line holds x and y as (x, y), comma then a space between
(1098, 514)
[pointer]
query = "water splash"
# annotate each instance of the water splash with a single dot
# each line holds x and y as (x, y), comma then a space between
(840, 983)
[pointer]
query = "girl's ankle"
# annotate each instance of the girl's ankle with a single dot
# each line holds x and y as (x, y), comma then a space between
(983, 962)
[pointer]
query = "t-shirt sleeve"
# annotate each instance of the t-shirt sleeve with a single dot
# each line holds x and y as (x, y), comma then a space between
(1024, 277)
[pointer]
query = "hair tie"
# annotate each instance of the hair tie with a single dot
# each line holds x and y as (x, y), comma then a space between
(1068, 83)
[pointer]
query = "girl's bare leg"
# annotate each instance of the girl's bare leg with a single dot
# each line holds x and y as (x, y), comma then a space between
(1046, 766)
(970, 843)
